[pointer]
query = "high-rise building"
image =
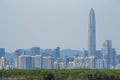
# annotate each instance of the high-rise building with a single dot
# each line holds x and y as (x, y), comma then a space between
(47, 62)
(18, 53)
(98, 54)
(92, 34)
(118, 59)
(38, 62)
(35, 51)
(2, 62)
(107, 51)
(47, 52)
(113, 58)
(27, 52)
(92, 62)
(2, 58)
(56, 52)
(2, 52)
(25, 62)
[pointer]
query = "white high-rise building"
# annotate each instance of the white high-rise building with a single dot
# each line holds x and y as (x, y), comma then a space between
(22, 62)
(2, 62)
(38, 62)
(47, 62)
(25, 62)
(107, 52)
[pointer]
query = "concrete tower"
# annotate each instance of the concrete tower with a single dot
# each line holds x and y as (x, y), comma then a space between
(92, 34)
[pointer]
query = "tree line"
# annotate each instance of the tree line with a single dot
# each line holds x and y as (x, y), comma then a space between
(54, 74)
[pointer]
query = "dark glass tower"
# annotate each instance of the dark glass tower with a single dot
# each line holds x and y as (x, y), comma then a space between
(92, 34)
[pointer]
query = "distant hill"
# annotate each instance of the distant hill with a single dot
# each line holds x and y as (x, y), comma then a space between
(70, 52)
(63, 53)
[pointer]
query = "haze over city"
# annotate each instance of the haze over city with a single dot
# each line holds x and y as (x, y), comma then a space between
(51, 23)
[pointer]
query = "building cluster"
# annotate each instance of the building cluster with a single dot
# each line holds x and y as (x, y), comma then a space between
(35, 58)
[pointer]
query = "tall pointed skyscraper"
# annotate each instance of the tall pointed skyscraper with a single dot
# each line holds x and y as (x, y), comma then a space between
(92, 34)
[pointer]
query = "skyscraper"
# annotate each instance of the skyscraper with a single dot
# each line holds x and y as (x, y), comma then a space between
(109, 54)
(92, 34)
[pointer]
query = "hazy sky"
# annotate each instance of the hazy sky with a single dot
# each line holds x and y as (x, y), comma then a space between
(52, 23)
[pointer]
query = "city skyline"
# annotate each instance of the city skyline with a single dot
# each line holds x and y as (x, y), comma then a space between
(48, 24)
